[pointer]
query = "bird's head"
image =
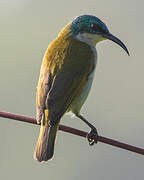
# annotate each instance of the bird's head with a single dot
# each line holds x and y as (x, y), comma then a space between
(92, 30)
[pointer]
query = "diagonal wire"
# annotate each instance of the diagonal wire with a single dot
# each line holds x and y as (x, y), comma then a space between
(75, 132)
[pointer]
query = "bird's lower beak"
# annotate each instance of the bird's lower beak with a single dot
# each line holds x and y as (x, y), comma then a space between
(116, 40)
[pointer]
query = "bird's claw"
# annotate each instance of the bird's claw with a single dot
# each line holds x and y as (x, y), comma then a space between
(92, 136)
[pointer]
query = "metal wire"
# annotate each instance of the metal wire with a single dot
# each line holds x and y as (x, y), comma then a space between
(75, 132)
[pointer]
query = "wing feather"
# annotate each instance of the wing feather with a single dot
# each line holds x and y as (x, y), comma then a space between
(64, 72)
(65, 88)
(43, 88)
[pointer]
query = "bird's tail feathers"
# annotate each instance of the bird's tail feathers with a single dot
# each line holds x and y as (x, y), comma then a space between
(45, 145)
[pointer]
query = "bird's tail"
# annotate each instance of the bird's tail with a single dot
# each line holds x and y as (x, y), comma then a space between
(45, 145)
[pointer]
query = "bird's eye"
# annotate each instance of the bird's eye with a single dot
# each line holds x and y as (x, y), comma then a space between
(96, 27)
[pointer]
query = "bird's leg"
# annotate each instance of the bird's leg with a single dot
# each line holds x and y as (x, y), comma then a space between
(92, 134)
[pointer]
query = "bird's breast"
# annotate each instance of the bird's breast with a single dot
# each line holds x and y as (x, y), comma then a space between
(80, 99)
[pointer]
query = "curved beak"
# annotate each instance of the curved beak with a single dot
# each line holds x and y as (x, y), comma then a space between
(116, 40)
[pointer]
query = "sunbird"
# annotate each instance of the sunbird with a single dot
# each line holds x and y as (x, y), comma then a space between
(66, 76)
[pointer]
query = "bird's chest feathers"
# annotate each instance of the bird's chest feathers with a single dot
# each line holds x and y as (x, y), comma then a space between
(80, 99)
(81, 56)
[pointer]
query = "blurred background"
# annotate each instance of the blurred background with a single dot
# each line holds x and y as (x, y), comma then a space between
(115, 104)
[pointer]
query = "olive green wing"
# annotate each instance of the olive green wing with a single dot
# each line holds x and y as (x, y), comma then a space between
(56, 94)
(65, 87)
(44, 85)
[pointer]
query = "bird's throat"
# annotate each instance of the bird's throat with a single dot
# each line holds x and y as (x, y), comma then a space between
(91, 39)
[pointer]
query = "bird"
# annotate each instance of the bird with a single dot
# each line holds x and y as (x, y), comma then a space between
(66, 77)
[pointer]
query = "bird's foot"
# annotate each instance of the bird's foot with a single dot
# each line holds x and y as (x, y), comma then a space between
(92, 136)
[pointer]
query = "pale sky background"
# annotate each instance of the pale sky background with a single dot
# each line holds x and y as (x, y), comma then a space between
(115, 105)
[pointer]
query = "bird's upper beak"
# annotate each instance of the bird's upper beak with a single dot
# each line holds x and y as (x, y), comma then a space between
(116, 40)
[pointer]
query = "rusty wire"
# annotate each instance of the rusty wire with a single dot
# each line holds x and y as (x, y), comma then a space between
(75, 132)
